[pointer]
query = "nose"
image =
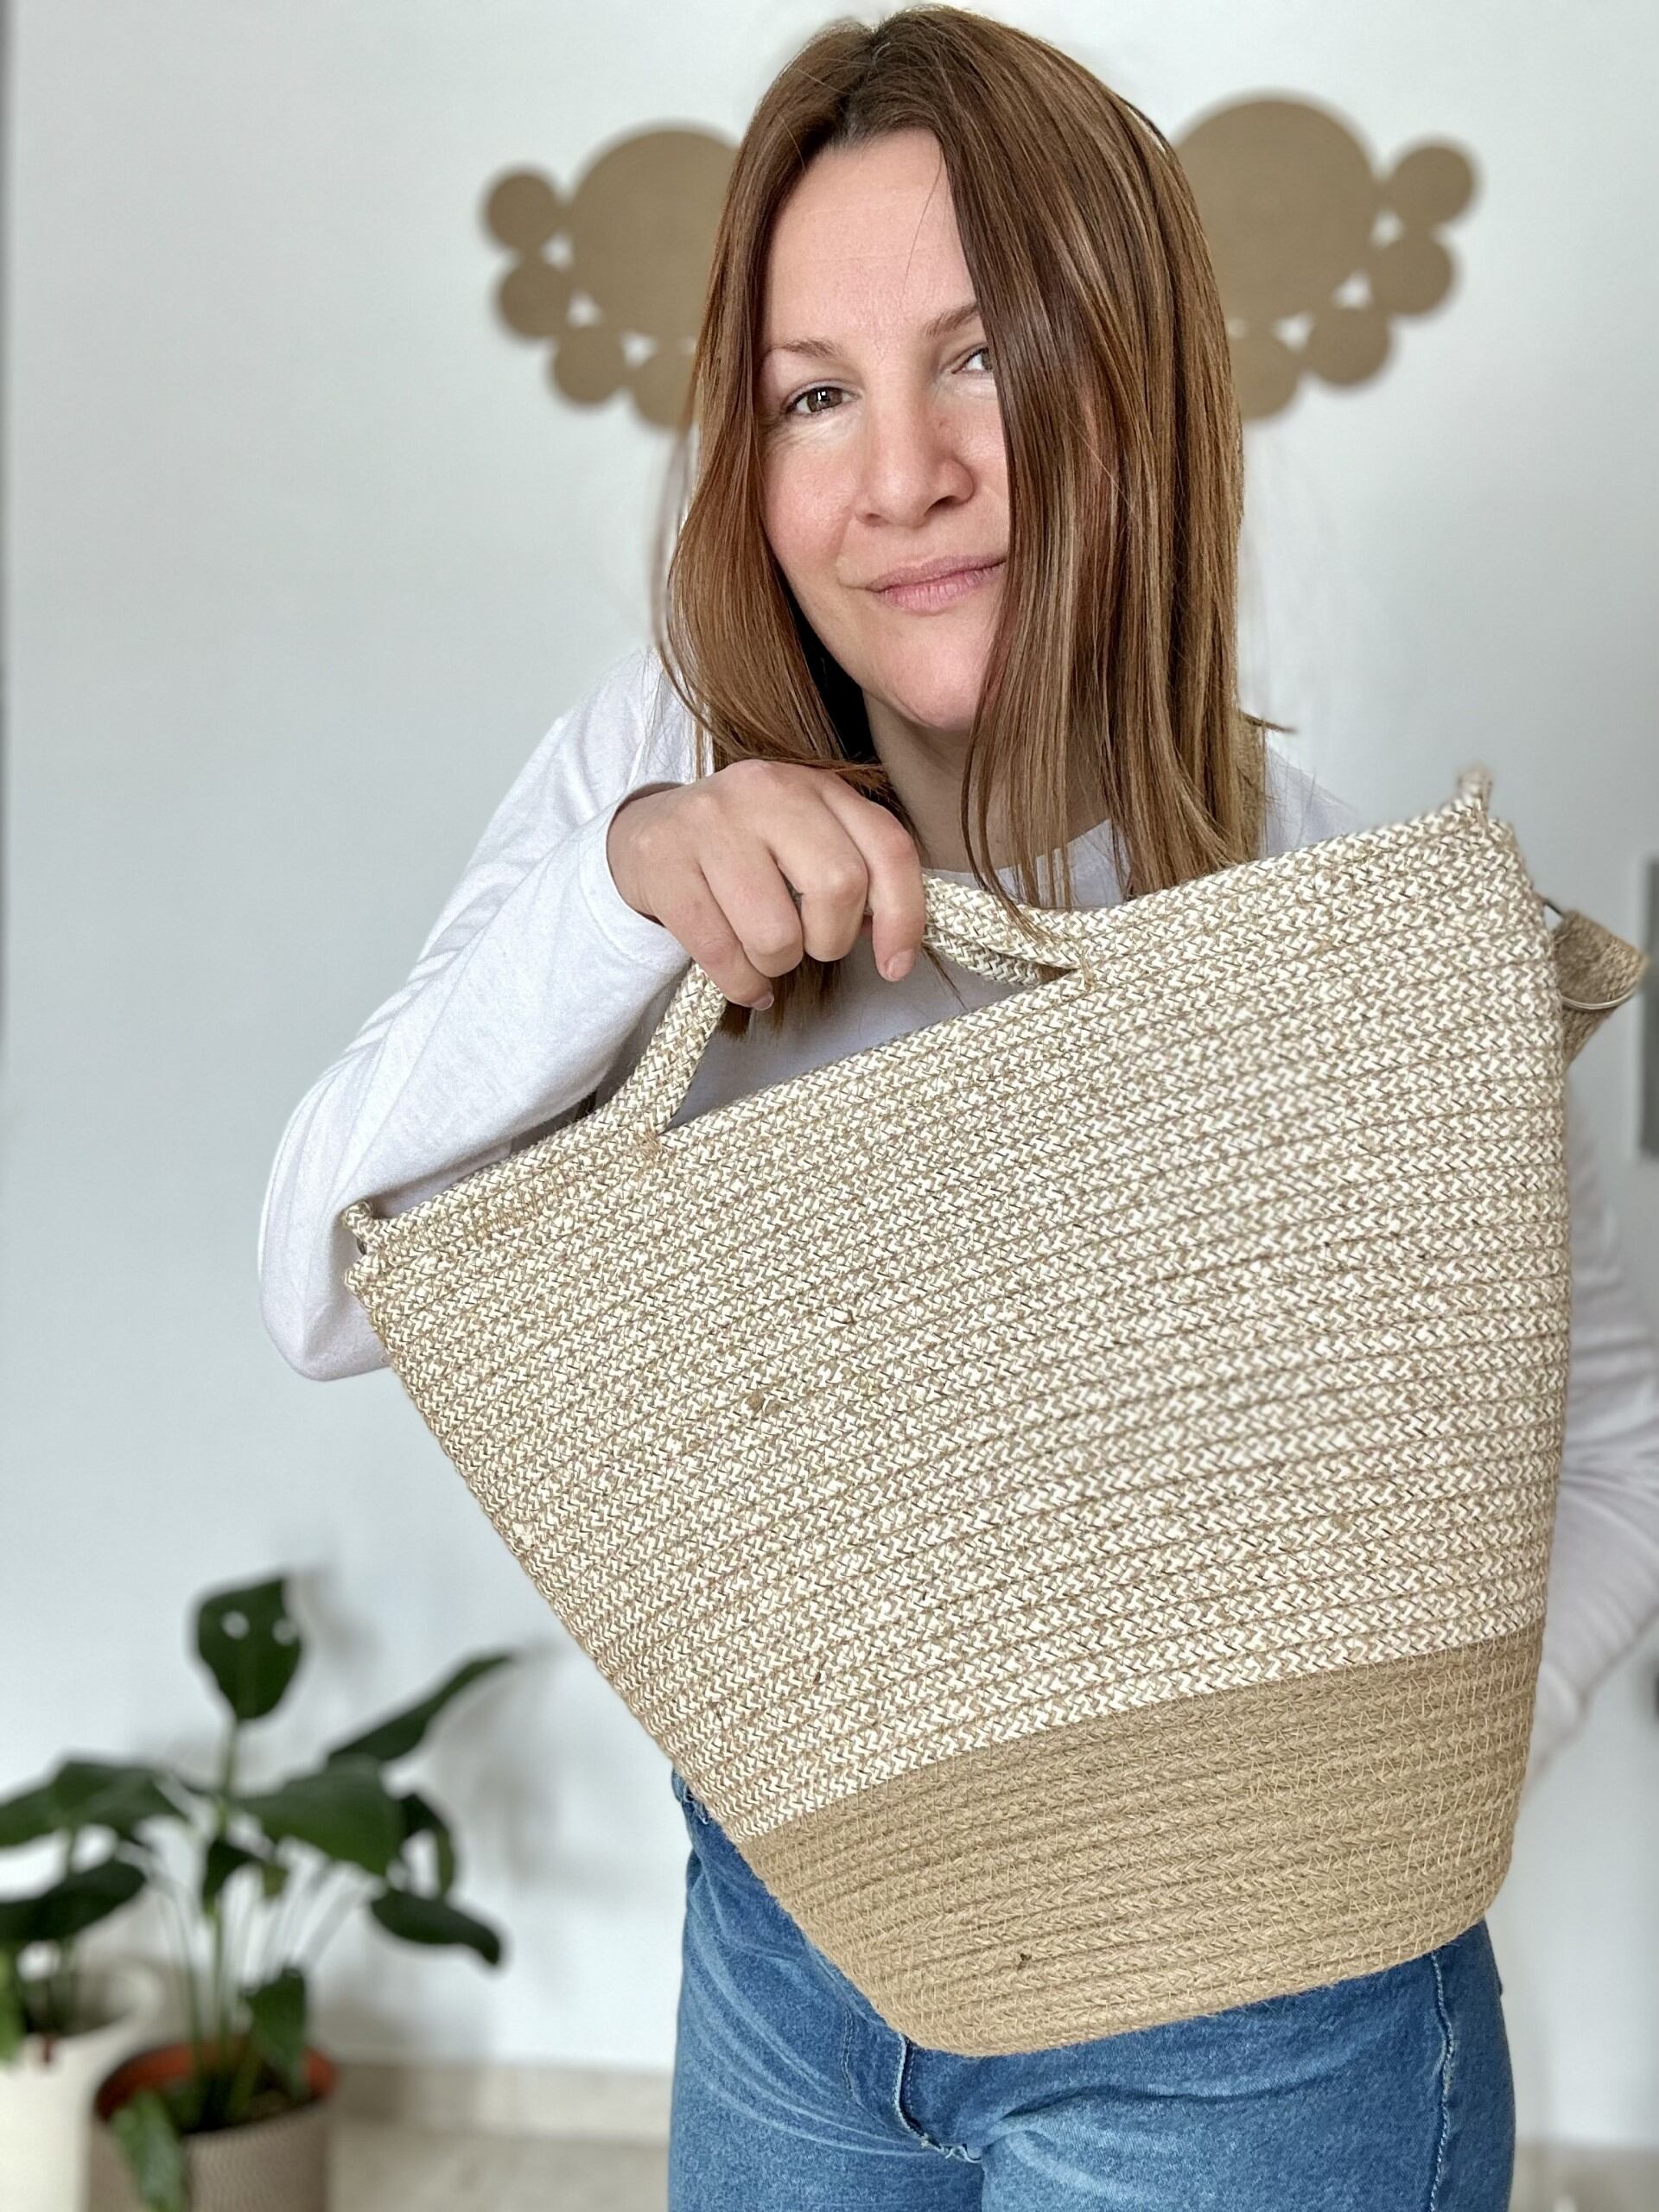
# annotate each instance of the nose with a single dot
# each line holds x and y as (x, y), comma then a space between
(910, 458)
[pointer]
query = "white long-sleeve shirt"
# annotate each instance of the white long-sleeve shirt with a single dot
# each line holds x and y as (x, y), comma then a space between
(538, 986)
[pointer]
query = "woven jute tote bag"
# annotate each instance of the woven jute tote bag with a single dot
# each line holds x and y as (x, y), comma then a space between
(1071, 1487)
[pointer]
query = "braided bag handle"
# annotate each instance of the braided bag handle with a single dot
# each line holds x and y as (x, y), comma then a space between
(964, 922)
(1596, 970)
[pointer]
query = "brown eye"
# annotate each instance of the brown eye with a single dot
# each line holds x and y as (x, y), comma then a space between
(810, 392)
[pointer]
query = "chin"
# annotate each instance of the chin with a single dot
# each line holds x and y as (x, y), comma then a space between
(936, 687)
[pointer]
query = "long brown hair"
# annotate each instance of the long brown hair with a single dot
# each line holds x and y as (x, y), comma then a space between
(1113, 668)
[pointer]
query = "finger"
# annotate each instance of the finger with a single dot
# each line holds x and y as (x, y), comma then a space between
(747, 882)
(691, 907)
(896, 896)
(819, 865)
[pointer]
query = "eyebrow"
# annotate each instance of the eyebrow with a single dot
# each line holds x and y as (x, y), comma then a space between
(825, 349)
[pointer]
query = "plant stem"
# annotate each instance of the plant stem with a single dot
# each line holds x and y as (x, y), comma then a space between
(61, 1975)
(188, 1798)
(175, 1899)
(276, 1911)
(350, 1898)
(221, 1822)
(303, 1886)
(242, 2081)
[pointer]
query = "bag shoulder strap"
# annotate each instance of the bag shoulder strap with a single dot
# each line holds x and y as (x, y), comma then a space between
(1596, 969)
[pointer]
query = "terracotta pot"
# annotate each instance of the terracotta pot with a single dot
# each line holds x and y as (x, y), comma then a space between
(279, 2164)
(46, 2093)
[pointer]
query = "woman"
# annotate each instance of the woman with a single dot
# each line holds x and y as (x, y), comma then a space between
(955, 590)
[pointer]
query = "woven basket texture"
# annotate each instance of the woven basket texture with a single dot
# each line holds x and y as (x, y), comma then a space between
(1071, 1487)
(275, 2165)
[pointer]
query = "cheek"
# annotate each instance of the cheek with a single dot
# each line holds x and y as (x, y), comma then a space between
(805, 518)
(985, 455)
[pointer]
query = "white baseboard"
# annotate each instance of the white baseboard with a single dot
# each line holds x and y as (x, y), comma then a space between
(616, 2104)
(630, 2105)
(620, 2104)
(1569, 2177)
(599, 2103)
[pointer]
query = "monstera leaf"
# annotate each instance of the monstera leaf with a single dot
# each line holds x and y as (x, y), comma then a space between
(69, 1907)
(250, 1645)
(149, 2136)
(277, 2015)
(420, 1817)
(414, 1919)
(86, 1794)
(405, 1731)
(343, 1811)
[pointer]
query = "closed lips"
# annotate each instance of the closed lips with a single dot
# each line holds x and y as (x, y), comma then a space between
(932, 571)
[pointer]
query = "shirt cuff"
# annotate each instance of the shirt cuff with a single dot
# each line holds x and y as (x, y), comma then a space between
(634, 935)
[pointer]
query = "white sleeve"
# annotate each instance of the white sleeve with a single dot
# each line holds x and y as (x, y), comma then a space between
(1302, 810)
(1603, 1592)
(530, 980)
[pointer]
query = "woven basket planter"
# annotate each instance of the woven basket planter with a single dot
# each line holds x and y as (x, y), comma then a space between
(46, 2093)
(279, 2164)
(1069, 1487)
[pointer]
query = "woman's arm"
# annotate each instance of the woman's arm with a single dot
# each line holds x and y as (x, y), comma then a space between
(529, 982)
(1603, 1593)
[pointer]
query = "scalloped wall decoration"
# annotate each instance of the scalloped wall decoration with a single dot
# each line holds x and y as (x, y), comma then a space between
(1317, 252)
(610, 276)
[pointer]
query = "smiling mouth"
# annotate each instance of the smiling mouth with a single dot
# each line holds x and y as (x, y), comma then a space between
(933, 592)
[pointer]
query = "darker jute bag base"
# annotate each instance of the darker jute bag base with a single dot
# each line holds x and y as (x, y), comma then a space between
(1177, 1858)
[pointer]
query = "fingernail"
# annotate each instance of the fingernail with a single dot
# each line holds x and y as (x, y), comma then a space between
(760, 1005)
(898, 966)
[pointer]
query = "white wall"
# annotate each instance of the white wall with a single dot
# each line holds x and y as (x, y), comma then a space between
(302, 560)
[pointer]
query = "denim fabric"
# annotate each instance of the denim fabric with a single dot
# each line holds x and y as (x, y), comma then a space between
(1389, 2092)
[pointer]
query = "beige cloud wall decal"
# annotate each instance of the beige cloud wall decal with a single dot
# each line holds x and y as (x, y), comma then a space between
(1316, 251)
(610, 278)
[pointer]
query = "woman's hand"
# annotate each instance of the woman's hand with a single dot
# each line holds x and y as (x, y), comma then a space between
(714, 861)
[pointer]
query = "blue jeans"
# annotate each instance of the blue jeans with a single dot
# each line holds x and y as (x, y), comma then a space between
(1389, 2092)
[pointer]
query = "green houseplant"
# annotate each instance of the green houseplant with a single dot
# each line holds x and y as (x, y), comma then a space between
(84, 1798)
(269, 1876)
(64, 2022)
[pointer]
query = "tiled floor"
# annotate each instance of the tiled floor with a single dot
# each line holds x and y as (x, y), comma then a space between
(386, 2166)
(1566, 2180)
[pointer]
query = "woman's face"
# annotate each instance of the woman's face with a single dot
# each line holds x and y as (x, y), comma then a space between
(882, 434)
